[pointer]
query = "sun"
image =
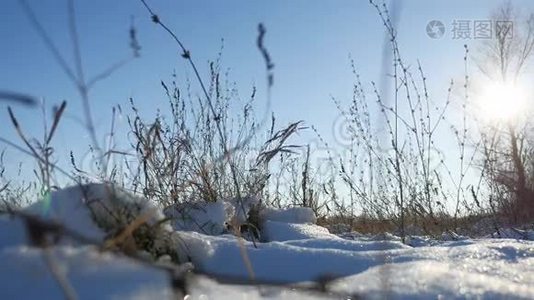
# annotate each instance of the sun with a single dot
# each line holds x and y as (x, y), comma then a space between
(502, 102)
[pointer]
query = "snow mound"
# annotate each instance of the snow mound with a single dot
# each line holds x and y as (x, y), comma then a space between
(205, 288)
(69, 207)
(341, 244)
(278, 231)
(365, 266)
(12, 232)
(92, 274)
(377, 269)
(298, 215)
(99, 212)
(297, 252)
(95, 210)
(228, 256)
(429, 280)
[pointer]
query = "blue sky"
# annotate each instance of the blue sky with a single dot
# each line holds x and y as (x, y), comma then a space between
(309, 41)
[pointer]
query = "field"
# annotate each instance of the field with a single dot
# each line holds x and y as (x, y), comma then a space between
(393, 178)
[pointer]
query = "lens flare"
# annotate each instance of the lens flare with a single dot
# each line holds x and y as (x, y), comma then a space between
(502, 102)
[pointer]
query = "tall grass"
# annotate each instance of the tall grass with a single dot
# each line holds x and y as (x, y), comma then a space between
(395, 170)
(395, 176)
(213, 147)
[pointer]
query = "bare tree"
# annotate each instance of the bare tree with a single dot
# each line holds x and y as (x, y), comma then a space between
(503, 59)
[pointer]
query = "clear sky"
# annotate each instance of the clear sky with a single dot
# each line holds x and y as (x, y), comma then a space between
(309, 41)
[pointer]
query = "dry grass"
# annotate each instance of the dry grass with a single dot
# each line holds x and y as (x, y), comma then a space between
(214, 147)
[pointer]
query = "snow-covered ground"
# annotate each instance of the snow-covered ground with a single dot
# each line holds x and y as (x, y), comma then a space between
(296, 259)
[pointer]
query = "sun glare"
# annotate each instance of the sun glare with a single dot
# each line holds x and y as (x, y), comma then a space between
(502, 102)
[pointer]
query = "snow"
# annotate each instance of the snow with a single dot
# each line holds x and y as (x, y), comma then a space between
(294, 223)
(466, 269)
(341, 244)
(293, 250)
(278, 231)
(429, 280)
(272, 262)
(205, 288)
(94, 210)
(12, 232)
(93, 275)
(68, 207)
